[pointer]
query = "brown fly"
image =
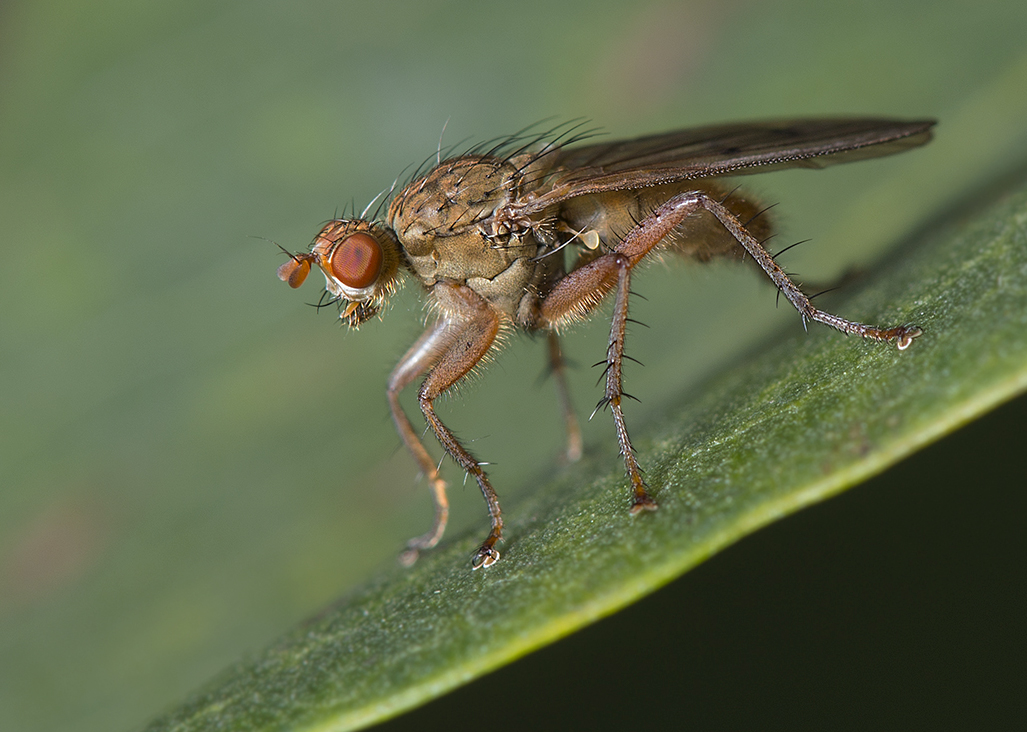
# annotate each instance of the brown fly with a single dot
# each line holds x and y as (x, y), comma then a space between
(534, 233)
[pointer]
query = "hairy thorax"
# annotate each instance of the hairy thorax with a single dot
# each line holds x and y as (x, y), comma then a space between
(453, 227)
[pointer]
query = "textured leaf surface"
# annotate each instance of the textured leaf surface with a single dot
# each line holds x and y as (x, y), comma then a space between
(193, 462)
(806, 419)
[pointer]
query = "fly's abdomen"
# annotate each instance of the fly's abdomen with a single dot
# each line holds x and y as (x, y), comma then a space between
(599, 222)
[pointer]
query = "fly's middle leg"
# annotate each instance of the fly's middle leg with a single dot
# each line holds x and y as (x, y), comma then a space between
(581, 291)
(572, 297)
(614, 394)
(557, 367)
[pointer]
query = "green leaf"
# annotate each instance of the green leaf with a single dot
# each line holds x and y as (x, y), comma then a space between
(797, 421)
(192, 462)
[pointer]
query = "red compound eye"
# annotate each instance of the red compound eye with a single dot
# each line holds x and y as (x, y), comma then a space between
(357, 261)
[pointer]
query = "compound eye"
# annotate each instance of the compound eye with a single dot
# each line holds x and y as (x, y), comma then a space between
(357, 261)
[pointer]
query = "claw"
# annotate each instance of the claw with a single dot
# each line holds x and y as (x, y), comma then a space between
(485, 557)
(409, 557)
(644, 503)
(905, 334)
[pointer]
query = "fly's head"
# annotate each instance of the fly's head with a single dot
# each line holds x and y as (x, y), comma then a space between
(360, 261)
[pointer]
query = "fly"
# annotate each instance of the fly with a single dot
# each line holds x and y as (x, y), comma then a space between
(536, 232)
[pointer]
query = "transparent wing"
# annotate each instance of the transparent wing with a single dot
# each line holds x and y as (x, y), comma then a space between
(719, 150)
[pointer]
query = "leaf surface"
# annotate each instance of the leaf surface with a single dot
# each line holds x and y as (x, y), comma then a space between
(796, 422)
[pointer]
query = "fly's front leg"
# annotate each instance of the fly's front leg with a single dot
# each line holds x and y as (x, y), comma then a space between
(421, 357)
(472, 329)
(447, 351)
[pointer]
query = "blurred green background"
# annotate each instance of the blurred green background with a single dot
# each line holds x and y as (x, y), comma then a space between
(192, 460)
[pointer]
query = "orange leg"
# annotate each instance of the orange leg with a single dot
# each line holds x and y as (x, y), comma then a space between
(421, 357)
(448, 350)
(583, 289)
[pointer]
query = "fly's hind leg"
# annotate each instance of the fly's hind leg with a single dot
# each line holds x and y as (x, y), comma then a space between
(576, 294)
(901, 335)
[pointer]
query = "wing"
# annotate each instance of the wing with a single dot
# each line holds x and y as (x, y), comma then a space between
(732, 149)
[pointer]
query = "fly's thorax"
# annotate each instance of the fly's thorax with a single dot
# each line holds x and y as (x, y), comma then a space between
(447, 220)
